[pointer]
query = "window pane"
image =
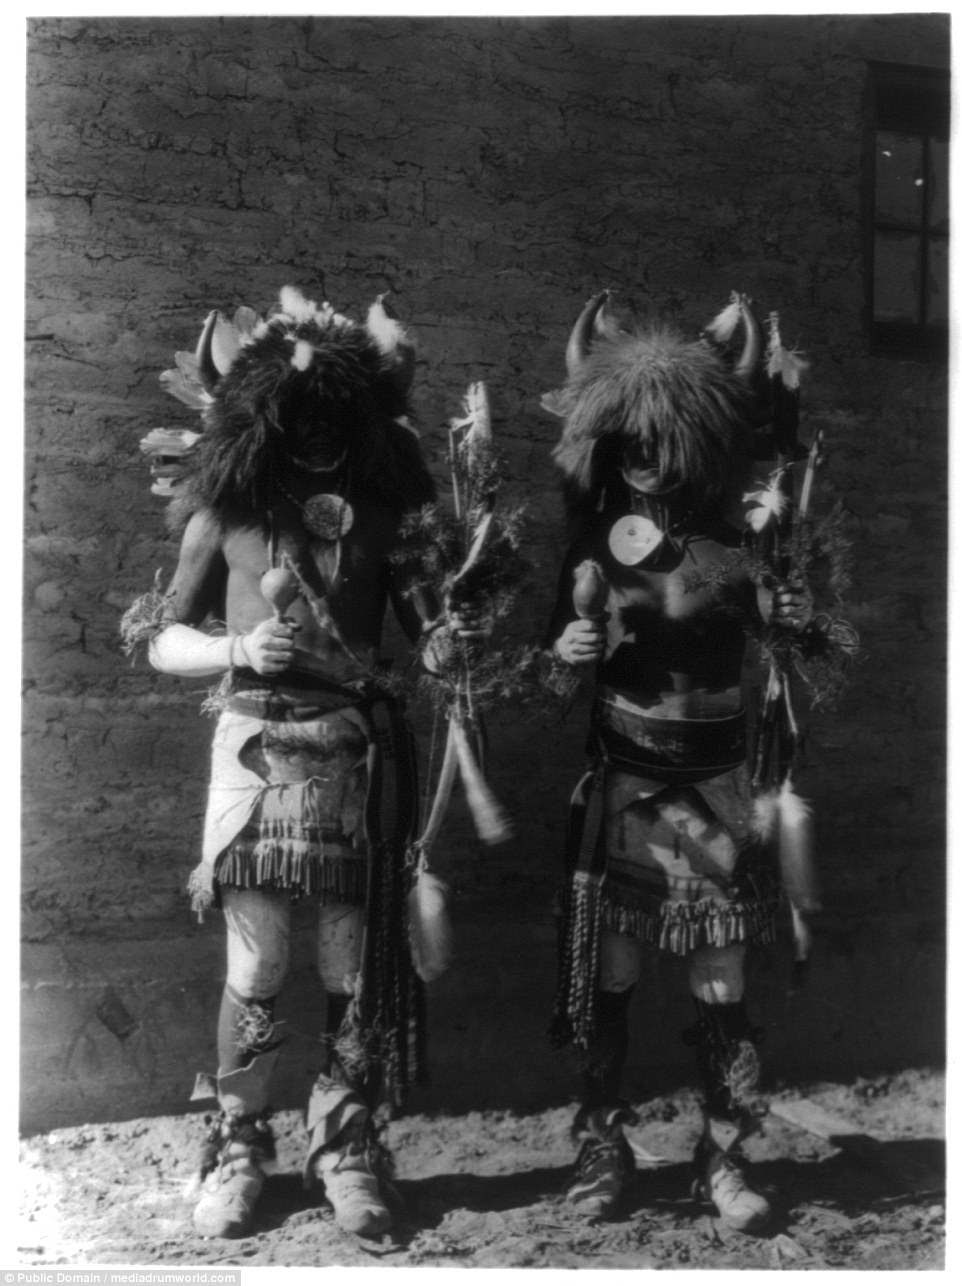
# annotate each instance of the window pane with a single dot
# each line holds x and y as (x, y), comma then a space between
(898, 178)
(939, 184)
(897, 277)
(938, 302)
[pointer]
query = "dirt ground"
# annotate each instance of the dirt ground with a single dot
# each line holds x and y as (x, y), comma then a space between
(486, 1190)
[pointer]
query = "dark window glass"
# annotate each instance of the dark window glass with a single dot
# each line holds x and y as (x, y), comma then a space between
(907, 246)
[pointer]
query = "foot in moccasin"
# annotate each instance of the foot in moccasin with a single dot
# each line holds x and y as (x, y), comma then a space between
(232, 1175)
(605, 1163)
(722, 1180)
(350, 1183)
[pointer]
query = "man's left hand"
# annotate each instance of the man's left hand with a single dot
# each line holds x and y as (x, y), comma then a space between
(463, 623)
(792, 604)
(467, 623)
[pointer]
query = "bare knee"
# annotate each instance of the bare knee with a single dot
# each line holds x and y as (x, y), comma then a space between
(340, 933)
(258, 941)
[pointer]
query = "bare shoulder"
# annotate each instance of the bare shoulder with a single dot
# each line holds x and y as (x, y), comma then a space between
(198, 583)
(203, 534)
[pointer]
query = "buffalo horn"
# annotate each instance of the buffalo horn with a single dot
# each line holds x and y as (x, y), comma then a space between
(752, 349)
(208, 367)
(579, 342)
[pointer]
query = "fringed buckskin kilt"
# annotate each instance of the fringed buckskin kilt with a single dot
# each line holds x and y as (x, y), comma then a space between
(314, 790)
(660, 846)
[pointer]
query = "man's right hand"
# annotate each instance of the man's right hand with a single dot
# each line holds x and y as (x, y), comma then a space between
(269, 648)
(582, 642)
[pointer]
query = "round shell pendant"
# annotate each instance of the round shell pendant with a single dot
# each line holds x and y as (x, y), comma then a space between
(633, 539)
(328, 517)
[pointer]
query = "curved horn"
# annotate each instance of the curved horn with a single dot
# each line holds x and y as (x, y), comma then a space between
(216, 349)
(579, 343)
(752, 349)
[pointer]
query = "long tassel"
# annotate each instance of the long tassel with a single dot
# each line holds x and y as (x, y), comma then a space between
(797, 864)
(429, 924)
(574, 1017)
(782, 817)
(201, 890)
(492, 822)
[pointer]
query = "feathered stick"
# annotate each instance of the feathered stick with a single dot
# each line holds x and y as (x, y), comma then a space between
(780, 814)
(469, 440)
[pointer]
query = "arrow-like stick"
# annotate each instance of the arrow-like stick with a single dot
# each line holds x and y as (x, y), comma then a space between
(468, 439)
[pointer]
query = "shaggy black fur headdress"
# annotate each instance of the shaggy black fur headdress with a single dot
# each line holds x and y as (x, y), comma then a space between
(682, 404)
(270, 388)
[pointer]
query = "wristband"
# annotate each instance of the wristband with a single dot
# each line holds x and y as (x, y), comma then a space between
(237, 643)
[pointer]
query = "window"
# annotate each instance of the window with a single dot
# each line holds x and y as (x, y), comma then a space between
(908, 241)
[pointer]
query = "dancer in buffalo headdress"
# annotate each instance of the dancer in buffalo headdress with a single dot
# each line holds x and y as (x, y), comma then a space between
(292, 500)
(662, 850)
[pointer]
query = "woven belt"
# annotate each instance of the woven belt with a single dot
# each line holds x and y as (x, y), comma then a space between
(669, 749)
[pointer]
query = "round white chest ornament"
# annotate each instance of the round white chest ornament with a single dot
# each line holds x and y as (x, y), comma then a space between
(633, 539)
(327, 516)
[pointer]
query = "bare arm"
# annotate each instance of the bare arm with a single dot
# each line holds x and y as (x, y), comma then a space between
(195, 592)
(573, 639)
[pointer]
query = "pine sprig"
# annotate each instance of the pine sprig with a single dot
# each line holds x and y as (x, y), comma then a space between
(820, 551)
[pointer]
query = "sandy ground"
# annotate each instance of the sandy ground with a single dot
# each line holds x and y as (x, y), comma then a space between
(486, 1190)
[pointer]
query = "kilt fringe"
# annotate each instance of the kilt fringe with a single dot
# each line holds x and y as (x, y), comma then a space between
(295, 864)
(680, 927)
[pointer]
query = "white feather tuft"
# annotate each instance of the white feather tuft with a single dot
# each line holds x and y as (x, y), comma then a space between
(787, 364)
(303, 352)
(765, 814)
(722, 327)
(386, 331)
(793, 810)
(296, 305)
(795, 849)
(780, 361)
(769, 504)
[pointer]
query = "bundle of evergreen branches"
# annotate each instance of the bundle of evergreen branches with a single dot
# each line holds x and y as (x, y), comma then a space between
(819, 552)
(470, 556)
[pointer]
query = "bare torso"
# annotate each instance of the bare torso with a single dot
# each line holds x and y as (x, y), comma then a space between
(350, 581)
(672, 647)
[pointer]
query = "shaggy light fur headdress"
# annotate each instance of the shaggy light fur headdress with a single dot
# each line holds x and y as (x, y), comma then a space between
(685, 405)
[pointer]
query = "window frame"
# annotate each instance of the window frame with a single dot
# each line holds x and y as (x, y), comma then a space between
(905, 100)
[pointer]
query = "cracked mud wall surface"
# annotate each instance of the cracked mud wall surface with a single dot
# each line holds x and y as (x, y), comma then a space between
(490, 175)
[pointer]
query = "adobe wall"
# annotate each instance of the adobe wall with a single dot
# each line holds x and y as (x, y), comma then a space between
(489, 174)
